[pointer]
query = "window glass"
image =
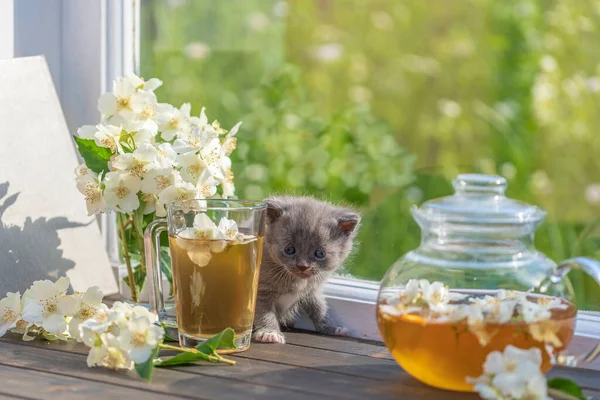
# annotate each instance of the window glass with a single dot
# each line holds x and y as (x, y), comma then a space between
(380, 103)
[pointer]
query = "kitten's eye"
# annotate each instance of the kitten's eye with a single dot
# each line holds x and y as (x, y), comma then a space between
(320, 254)
(289, 250)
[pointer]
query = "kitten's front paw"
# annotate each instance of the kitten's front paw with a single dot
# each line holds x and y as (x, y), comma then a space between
(269, 337)
(341, 331)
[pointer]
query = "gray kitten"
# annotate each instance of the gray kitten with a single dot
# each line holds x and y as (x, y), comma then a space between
(306, 241)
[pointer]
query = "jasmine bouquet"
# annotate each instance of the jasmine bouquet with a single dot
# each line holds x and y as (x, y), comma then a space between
(144, 154)
(122, 337)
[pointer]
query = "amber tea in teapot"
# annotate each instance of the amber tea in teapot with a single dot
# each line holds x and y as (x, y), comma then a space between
(443, 344)
(475, 285)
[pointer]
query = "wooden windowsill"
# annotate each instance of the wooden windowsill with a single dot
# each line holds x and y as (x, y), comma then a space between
(309, 366)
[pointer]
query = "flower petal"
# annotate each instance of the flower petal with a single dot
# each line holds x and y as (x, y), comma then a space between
(140, 354)
(55, 323)
(93, 296)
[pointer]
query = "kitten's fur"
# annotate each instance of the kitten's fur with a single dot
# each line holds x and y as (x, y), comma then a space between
(290, 284)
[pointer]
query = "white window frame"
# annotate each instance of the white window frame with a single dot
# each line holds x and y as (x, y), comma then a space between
(98, 41)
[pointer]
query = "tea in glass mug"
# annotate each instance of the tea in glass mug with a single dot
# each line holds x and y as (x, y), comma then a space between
(216, 250)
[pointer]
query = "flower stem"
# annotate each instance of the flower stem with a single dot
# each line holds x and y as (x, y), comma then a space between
(214, 358)
(138, 222)
(121, 227)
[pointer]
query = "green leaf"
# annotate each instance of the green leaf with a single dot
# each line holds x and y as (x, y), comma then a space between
(205, 351)
(566, 386)
(139, 277)
(165, 264)
(182, 359)
(96, 158)
(145, 370)
(223, 340)
(50, 336)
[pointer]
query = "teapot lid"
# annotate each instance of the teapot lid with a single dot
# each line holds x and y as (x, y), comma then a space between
(479, 199)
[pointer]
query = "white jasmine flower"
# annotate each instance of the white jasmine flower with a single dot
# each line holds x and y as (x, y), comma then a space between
(399, 310)
(150, 202)
(552, 303)
(148, 112)
(166, 155)
(158, 180)
(437, 294)
(121, 190)
(200, 255)
(82, 172)
(143, 136)
(23, 327)
(119, 101)
(109, 354)
(205, 228)
(88, 306)
(511, 294)
(183, 191)
(140, 338)
(90, 185)
(48, 305)
(192, 166)
(495, 309)
(10, 312)
(212, 152)
(120, 313)
(228, 227)
(476, 322)
(533, 312)
(227, 186)
(175, 122)
(90, 330)
(138, 163)
(207, 185)
(200, 121)
(546, 331)
(103, 135)
(513, 374)
(199, 138)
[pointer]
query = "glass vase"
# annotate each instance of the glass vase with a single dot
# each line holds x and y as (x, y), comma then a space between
(134, 286)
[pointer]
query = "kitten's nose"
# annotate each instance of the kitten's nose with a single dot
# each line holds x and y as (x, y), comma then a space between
(302, 268)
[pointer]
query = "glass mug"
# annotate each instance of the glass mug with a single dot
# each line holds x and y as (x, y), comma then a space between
(216, 250)
(475, 285)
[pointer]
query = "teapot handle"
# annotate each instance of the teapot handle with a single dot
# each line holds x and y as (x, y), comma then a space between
(592, 268)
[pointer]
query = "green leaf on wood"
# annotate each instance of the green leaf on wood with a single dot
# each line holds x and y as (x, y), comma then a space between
(566, 386)
(182, 359)
(96, 158)
(205, 351)
(222, 340)
(145, 369)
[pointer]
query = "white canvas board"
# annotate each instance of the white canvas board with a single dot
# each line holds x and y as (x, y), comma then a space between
(45, 231)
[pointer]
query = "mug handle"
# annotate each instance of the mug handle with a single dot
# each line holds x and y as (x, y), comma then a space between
(153, 270)
(592, 268)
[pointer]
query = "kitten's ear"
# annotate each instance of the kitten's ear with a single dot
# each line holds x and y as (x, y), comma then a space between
(348, 222)
(274, 209)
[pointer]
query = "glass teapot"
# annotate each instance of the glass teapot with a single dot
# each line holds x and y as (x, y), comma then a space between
(475, 285)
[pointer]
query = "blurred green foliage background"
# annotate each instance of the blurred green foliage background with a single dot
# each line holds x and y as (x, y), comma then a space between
(380, 103)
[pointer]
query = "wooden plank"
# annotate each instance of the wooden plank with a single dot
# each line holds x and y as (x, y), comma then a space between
(40, 385)
(327, 360)
(257, 373)
(9, 397)
(338, 344)
(70, 362)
